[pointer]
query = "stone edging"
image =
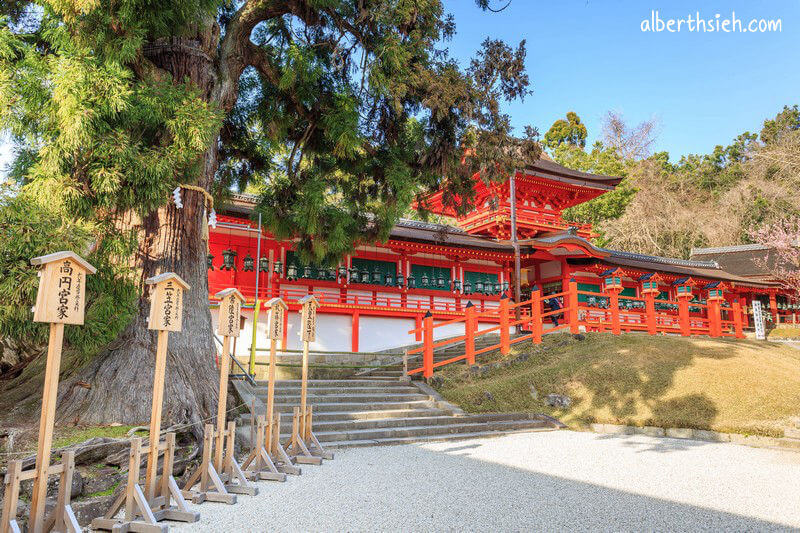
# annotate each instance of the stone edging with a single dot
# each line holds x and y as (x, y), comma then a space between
(756, 441)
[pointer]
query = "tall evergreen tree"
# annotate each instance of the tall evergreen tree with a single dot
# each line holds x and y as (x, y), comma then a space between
(342, 111)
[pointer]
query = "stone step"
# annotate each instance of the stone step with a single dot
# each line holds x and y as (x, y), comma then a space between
(427, 430)
(407, 422)
(381, 378)
(358, 406)
(314, 398)
(394, 441)
(324, 383)
(344, 416)
(321, 391)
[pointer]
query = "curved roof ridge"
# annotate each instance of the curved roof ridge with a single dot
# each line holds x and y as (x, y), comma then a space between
(664, 260)
(729, 249)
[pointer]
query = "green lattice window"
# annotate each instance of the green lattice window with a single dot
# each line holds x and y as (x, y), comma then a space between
(486, 278)
(432, 274)
(371, 265)
(588, 287)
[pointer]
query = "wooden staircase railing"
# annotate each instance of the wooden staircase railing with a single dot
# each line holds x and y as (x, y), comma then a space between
(639, 314)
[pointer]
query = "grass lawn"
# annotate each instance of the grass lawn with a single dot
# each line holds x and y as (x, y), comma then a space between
(784, 332)
(742, 386)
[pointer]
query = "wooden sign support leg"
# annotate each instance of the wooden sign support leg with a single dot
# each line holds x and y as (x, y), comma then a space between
(235, 479)
(305, 447)
(140, 513)
(211, 487)
(11, 497)
(259, 464)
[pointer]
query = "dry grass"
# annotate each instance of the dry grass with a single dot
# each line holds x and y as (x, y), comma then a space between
(724, 385)
(783, 332)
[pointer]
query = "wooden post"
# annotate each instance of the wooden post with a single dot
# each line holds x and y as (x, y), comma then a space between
(650, 312)
(427, 348)
(505, 345)
(145, 508)
(305, 447)
(470, 326)
(536, 315)
(60, 300)
(573, 307)
(11, 497)
(683, 315)
(714, 318)
(268, 459)
(737, 319)
(613, 307)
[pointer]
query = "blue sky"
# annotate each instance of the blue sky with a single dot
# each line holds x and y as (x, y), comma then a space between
(590, 56)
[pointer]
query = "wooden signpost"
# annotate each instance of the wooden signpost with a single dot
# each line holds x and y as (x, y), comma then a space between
(305, 447)
(219, 479)
(61, 300)
(144, 508)
(268, 457)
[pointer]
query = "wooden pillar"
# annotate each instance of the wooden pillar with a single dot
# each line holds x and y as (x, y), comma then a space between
(469, 333)
(613, 307)
(714, 318)
(737, 319)
(773, 307)
(536, 315)
(222, 400)
(650, 312)
(354, 337)
(155, 412)
(572, 314)
(683, 316)
(505, 345)
(427, 350)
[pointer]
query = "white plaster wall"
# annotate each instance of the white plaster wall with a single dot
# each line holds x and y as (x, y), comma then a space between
(242, 345)
(377, 333)
(334, 333)
(550, 269)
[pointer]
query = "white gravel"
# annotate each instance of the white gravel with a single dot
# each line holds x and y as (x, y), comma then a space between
(559, 480)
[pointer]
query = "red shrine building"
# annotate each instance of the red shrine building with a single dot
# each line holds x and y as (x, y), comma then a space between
(375, 296)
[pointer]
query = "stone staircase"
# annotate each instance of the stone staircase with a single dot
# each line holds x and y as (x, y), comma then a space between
(381, 410)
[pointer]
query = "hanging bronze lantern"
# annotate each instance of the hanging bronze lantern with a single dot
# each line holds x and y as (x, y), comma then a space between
(400, 279)
(479, 286)
(248, 263)
(412, 281)
(497, 287)
(440, 282)
(331, 273)
(228, 259)
(291, 272)
(353, 274)
(342, 271)
(505, 286)
(365, 275)
(424, 279)
(457, 285)
(376, 276)
(388, 280)
(263, 264)
(467, 287)
(307, 271)
(210, 262)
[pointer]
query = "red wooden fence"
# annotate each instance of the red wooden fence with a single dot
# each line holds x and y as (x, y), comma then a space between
(712, 319)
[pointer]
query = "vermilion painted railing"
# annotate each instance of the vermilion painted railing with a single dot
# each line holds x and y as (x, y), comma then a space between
(706, 319)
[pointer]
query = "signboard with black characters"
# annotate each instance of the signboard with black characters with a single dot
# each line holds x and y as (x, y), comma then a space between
(166, 302)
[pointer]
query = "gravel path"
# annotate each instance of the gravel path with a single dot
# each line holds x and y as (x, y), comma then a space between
(559, 480)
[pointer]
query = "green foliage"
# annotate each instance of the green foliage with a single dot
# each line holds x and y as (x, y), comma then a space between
(570, 131)
(785, 122)
(30, 227)
(604, 161)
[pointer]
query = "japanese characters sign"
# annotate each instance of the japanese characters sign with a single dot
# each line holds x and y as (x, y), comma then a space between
(758, 320)
(308, 320)
(230, 306)
(62, 288)
(166, 302)
(277, 311)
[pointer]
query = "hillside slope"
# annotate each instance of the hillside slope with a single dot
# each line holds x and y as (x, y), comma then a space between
(723, 385)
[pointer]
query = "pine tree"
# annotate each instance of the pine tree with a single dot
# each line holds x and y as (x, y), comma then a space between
(340, 112)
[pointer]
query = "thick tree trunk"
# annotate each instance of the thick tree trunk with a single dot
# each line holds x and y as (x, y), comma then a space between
(120, 380)
(170, 240)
